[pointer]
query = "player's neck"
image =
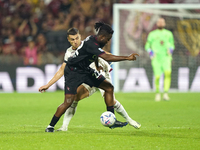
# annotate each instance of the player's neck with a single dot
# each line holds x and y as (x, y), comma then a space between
(160, 28)
(74, 48)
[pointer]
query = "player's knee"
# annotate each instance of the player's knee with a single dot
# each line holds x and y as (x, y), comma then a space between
(69, 99)
(167, 73)
(110, 88)
(157, 77)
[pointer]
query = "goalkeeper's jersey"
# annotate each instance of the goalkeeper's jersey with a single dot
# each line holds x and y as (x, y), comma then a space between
(160, 41)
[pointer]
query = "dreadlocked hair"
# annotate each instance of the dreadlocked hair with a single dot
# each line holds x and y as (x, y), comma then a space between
(103, 28)
(72, 31)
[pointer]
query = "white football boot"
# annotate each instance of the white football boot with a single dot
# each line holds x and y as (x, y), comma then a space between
(62, 129)
(135, 124)
(158, 97)
(166, 97)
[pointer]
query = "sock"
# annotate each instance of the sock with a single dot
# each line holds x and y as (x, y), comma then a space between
(121, 111)
(110, 108)
(69, 114)
(54, 120)
(167, 81)
(157, 80)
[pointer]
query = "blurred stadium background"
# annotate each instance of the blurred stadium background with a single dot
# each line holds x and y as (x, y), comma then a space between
(42, 24)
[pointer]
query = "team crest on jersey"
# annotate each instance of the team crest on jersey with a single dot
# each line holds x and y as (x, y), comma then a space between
(101, 50)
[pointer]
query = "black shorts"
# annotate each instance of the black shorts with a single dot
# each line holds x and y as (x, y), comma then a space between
(73, 79)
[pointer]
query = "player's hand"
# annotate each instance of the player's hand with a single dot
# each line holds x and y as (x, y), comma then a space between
(43, 88)
(170, 51)
(99, 68)
(133, 56)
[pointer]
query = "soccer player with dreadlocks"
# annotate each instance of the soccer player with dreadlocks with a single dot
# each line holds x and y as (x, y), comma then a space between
(77, 71)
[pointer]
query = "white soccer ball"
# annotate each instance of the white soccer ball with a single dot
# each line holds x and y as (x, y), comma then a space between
(107, 119)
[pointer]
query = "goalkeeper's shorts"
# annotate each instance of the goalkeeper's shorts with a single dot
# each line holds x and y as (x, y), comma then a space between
(161, 66)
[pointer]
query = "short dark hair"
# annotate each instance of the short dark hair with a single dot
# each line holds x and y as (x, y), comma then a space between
(72, 31)
(103, 28)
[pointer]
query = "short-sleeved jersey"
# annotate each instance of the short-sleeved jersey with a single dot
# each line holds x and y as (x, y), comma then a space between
(85, 54)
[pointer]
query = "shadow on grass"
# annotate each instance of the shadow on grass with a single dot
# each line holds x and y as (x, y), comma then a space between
(100, 131)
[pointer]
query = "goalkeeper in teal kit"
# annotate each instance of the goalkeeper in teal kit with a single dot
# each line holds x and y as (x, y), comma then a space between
(160, 46)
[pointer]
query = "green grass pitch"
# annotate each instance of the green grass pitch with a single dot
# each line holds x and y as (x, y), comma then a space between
(173, 125)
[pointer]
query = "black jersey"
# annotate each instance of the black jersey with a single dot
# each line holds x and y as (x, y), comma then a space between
(85, 54)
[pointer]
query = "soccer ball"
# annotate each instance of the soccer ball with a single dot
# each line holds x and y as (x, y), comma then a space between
(107, 119)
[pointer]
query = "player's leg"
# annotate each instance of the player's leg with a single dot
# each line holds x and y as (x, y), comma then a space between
(69, 98)
(118, 107)
(157, 70)
(167, 81)
(167, 78)
(109, 100)
(82, 93)
(108, 94)
(72, 82)
(121, 111)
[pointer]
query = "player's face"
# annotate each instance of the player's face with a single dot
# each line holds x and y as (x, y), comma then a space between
(104, 40)
(74, 40)
(161, 23)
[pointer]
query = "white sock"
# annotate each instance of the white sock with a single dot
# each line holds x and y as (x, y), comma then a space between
(121, 111)
(69, 114)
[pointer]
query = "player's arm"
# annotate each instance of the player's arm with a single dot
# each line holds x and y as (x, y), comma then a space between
(148, 42)
(171, 43)
(95, 50)
(148, 45)
(114, 58)
(107, 52)
(55, 78)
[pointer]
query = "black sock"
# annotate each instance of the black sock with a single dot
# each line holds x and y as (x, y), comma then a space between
(111, 108)
(54, 120)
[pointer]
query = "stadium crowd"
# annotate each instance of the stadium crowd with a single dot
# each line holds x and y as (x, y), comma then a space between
(33, 32)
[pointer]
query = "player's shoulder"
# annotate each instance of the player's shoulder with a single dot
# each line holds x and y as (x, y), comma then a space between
(69, 50)
(153, 32)
(90, 41)
(168, 31)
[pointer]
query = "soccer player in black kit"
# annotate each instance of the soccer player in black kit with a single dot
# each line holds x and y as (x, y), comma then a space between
(77, 71)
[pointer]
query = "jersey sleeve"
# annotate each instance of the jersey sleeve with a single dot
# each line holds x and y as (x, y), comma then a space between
(171, 41)
(148, 42)
(67, 55)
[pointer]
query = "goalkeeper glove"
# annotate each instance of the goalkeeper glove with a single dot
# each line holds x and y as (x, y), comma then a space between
(151, 53)
(171, 50)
